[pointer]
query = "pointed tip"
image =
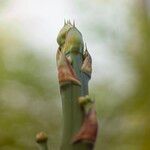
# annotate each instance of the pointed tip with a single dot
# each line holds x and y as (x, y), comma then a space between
(73, 23)
(86, 47)
(64, 21)
(69, 22)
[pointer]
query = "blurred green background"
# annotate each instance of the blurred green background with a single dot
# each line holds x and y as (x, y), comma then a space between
(118, 36)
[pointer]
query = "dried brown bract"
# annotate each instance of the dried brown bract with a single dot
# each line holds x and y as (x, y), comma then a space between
(66, 73)
(89, 129)
(87, 63)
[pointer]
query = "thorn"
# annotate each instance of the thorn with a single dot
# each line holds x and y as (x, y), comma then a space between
(64, 21)
(73, 23)
(86, 47)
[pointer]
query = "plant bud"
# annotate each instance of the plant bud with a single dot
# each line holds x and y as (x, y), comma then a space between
(62, 34)
(74, 41)
(83, 100)
(41, 137)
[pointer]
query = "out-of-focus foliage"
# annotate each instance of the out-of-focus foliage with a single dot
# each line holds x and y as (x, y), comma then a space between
(30, 101)
(28, 94)
(3, 3)
(125, 126)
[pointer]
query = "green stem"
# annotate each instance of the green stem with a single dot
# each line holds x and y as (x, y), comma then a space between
(71, 45)
(73, 115)
(77, 63)
(43, 146)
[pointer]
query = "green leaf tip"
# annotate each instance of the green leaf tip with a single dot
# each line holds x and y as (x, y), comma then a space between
(70, 39)
(62, 33)
(73, 41)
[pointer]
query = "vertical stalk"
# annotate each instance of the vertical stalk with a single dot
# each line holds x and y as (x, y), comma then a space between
(74, 72)
(43, 146)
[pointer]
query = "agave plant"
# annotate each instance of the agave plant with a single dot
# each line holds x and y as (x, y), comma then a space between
(74, 65)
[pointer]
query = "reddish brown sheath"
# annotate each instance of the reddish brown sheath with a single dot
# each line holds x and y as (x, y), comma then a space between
(89, 129)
